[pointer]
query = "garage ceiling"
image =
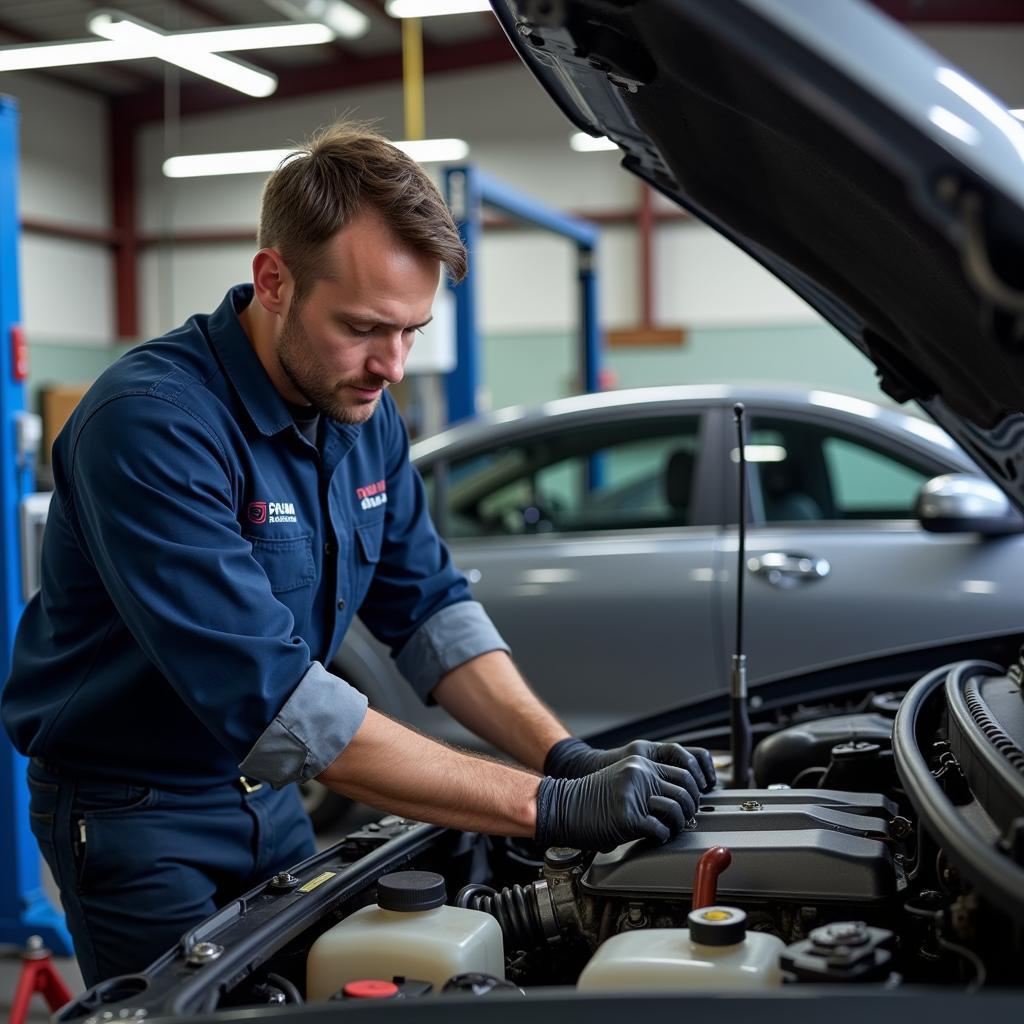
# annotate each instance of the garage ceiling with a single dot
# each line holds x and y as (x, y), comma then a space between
(458, 41)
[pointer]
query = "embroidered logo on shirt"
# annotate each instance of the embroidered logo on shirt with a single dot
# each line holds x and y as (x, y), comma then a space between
(261, 512)
(372, 495)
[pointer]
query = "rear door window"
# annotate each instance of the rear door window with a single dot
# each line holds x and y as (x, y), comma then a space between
(631, 475)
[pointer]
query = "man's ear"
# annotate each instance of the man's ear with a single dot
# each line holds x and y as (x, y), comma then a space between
(272, 281)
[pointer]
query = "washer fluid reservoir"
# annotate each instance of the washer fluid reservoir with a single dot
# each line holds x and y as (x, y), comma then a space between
(409, 932)
(715, 952)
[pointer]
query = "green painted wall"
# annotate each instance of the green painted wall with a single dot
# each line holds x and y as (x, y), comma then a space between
(523, 369)
(51, 363)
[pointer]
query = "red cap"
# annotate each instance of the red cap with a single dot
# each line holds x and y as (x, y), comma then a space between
(370, 988)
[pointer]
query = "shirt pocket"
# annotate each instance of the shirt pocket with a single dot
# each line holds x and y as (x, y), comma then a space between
(288, 561)
(369, 537)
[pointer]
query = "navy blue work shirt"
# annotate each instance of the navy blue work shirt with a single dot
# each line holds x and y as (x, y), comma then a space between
(202, 561)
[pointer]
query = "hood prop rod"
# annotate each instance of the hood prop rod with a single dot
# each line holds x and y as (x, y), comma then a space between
(739, 714)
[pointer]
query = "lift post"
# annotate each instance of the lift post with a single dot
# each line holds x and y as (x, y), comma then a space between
(468, 190)
(24, 908)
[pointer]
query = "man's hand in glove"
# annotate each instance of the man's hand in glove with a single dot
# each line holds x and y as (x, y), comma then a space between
(631, 799)
(572, 758)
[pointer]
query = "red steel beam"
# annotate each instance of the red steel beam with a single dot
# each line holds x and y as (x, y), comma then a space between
(492, 222)
(645, 225)
(122, 203)
(71, 232)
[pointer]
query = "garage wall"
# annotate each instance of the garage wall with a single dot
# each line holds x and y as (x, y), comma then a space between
(66, 286)
(67, 299)
(517, 268)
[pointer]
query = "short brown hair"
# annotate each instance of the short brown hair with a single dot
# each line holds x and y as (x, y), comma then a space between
(341, 170)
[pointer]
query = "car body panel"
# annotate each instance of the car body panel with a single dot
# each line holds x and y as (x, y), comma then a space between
(595, 621)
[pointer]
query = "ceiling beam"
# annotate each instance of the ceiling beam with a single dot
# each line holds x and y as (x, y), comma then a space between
(202, 98)
(998, 12)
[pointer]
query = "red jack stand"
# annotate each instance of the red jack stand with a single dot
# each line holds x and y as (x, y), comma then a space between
(37, 975)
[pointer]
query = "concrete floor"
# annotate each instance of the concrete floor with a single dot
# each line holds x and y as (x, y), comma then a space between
(10, 956)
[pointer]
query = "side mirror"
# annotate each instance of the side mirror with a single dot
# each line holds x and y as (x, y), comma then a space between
(962, 503)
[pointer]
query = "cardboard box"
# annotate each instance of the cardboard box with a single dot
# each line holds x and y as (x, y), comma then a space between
(58, 403)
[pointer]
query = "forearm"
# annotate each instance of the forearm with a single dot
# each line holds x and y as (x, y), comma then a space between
(491, 698)
(396, 769)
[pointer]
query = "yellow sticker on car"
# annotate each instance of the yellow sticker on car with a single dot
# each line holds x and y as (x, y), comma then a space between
(319, 880)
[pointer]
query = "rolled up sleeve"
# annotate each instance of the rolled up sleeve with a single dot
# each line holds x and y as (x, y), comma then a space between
(448, 639)
(315, 725)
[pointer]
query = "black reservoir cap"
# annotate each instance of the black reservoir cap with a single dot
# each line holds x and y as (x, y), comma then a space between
(717, 926)
(409, 891)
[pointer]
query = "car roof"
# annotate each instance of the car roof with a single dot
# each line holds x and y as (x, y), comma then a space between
(515, 419)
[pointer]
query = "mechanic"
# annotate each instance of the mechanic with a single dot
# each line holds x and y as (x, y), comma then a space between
(226, 498)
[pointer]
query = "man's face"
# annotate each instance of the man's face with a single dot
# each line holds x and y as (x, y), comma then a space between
(349, 338)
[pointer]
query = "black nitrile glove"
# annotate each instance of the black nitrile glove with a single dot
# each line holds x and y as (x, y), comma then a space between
(631, 799)
(572, 758)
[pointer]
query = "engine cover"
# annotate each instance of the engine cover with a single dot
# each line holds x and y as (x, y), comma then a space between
(794, 845)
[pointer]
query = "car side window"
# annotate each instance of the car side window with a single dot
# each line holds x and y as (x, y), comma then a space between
(622, 476)
(810, 471)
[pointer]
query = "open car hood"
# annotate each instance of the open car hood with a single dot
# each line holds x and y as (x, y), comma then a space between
(878, 182)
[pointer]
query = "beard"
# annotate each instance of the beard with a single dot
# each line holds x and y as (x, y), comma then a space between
(312, 381)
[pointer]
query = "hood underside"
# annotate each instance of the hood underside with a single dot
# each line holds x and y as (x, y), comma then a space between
(880, 184)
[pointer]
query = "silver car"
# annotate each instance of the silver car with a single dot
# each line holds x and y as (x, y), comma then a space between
(599, 532)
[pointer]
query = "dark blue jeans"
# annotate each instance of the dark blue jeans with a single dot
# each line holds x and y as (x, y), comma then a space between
(137, 866)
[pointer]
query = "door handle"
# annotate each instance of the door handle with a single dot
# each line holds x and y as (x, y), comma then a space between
(787, 569)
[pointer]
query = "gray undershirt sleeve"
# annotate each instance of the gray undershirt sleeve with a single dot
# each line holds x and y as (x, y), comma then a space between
(449, 638)
(313, 727)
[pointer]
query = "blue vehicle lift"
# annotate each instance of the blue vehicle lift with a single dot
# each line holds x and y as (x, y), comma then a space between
(24, 908)
(468, 190)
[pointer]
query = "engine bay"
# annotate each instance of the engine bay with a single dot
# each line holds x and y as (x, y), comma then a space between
(883, 845)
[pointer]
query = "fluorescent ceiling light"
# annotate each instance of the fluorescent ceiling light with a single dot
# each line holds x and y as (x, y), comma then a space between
(433, 8)
(249, 37)
(584, 143)
(58, 55)
(1018, 113)
(432, 151)
(130, 39)
(117, 47)
(344, 19)
(185, 52)
(115, 25)
(256, 161)
(262, 161)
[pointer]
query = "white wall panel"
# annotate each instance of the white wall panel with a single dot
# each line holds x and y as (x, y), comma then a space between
(703, 280)
(63, 139)
(178, 282)
(67, 290)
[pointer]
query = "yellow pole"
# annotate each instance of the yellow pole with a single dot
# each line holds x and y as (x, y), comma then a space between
(412, 78)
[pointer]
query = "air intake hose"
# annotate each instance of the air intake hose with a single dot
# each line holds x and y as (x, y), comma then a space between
(525, 913)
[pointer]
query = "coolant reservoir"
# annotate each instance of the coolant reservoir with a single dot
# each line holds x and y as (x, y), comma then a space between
(409, 932)
(714, 953)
